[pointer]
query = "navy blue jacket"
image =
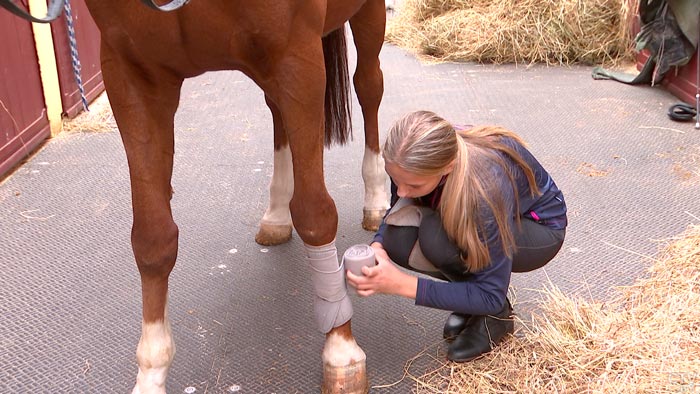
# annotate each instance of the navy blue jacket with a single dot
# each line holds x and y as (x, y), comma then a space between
(485, 291)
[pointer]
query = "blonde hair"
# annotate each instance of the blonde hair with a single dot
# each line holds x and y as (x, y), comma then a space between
(424, 144)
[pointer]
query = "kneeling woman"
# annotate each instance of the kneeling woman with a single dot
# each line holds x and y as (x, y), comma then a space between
(469, 206)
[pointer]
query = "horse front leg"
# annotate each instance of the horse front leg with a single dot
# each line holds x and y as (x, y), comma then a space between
(276, 224)
(344, 362)
(144, 112)
(368, 33)
(300, 99)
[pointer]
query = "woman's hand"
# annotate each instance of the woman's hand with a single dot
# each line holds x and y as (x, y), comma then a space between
(383, 278)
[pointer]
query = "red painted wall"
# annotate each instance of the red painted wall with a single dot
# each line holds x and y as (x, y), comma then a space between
(23, 121)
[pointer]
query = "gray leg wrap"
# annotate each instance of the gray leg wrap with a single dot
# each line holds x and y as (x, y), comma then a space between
(332, 305)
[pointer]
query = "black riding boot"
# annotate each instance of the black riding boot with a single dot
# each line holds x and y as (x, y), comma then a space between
(454, 325)
(481, 335)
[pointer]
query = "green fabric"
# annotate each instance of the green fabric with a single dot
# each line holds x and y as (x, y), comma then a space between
(669, 31)
(687, 13)
(645, 76)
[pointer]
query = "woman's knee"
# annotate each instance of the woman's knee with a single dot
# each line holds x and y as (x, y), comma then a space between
(399, 242)
(439, 249)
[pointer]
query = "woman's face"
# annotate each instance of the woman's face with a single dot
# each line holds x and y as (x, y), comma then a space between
(411, 185)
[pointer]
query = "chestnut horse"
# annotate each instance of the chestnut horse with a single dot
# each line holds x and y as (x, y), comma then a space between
(287, 47)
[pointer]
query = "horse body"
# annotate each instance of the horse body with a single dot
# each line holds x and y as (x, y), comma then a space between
(147, 54)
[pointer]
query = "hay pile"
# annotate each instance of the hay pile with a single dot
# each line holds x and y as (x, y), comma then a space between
(516, 31)
(646, 340)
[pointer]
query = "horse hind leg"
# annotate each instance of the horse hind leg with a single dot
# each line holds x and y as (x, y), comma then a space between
(276, 223)
(146, 127)
(368, 33)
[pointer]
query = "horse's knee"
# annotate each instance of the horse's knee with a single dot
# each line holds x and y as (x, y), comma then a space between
(316, 221)
(317, 231)
(155, 248)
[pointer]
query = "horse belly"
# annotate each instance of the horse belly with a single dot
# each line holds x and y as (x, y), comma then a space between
(191, 42)
(338, 12)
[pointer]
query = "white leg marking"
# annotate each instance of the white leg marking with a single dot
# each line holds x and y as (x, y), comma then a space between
(154, 355)
(375, 181)
(340, 352)
(281, 189)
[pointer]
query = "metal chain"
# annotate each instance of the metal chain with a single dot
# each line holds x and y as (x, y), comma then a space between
(75, 60)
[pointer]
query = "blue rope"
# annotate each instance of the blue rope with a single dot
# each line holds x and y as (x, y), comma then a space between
(74, 53)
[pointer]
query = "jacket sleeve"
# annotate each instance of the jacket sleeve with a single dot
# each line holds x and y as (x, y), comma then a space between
(483, 293)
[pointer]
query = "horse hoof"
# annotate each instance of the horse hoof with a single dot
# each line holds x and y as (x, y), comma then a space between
(372, 219)
(350, 379)
(273, 234)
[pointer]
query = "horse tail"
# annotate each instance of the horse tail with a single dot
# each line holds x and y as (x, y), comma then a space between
(337, 103)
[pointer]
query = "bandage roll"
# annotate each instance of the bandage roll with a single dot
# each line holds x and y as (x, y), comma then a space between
(358, 256)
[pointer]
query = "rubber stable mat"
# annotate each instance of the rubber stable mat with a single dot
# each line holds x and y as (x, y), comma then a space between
(242, 316)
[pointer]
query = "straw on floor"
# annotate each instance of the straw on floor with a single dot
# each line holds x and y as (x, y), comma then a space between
(516, 31)
(645, 340)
